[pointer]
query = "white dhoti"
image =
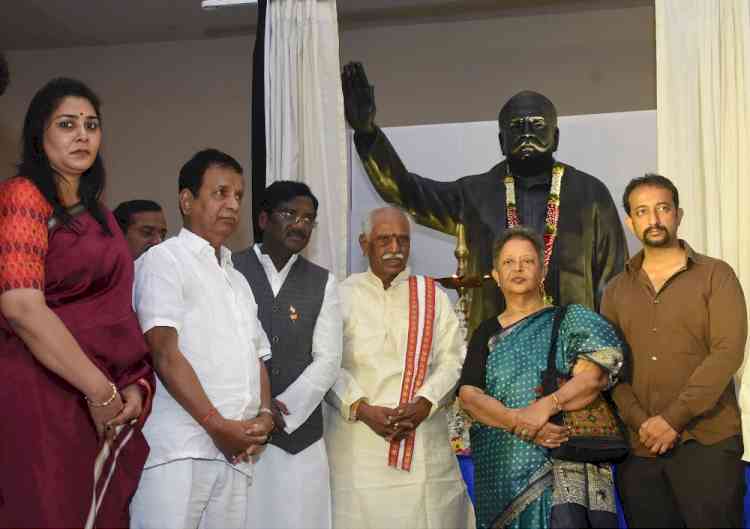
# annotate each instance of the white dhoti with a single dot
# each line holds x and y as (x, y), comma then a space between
(290, 491)
(369, 494)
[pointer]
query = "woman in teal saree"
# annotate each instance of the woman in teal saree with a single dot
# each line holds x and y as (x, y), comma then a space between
(517, 484)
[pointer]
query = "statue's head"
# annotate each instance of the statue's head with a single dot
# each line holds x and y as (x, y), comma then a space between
(4, 74)
(528, 127)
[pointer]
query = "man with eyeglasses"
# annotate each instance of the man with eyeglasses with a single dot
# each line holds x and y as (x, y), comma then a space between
(300, 312)
(392, 464)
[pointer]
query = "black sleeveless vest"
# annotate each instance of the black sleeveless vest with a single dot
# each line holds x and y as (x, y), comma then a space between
(289, 321)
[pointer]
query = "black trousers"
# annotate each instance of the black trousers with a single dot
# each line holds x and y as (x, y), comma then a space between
(693, 485)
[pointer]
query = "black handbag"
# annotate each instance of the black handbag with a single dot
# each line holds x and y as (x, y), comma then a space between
(597, 434)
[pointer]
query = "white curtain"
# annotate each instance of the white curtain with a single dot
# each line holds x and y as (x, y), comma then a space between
(305, 132)
(703, 122)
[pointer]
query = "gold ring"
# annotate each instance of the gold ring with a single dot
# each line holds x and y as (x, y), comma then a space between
(524, 433)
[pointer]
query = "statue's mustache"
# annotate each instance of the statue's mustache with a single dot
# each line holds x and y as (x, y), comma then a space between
(529, 141)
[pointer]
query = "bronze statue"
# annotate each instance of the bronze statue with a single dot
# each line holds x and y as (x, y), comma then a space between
(573, 210)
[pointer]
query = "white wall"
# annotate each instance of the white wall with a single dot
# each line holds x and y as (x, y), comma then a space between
(586, 62)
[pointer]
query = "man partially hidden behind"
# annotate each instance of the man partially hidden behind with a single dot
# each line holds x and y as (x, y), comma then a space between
(143, 223)
(211, 409)
(584, 242)
(299, 307)
(391, 461)
(683, 315)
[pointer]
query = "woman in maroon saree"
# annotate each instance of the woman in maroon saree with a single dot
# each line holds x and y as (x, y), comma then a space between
(76, 380)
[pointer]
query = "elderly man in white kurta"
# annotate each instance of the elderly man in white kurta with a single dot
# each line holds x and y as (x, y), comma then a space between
(392, 465)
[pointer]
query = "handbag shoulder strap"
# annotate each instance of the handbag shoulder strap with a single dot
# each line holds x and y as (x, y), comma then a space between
(556, 320)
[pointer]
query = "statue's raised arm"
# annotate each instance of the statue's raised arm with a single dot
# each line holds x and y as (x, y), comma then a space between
(359, 98)
(437, 205)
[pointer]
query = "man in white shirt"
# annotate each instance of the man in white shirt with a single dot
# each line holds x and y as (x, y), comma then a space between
(300, 311)
(211, 410)
(391, 461)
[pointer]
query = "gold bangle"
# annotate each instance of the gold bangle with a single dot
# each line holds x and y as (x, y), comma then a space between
(556, 402)
(107, 402)
(354, 410)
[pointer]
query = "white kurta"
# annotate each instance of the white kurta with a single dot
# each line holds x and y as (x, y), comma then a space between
(367, 493)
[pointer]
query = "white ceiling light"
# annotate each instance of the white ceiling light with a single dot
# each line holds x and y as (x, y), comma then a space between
(213, 4)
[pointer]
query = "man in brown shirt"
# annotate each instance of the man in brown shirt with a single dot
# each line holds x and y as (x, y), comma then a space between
(683, 315)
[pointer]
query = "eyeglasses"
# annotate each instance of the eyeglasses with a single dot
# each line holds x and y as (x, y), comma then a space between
(291, 217)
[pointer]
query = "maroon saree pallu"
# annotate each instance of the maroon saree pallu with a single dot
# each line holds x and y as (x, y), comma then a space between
(48, 444)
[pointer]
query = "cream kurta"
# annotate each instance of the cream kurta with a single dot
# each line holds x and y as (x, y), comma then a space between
(367, 493)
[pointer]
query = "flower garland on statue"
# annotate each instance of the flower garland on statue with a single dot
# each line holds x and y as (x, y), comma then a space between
(553, 214)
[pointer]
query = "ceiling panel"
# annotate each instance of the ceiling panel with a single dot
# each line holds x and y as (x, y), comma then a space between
(37, 24)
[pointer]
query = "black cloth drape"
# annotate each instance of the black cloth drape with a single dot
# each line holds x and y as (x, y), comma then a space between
(258, 120)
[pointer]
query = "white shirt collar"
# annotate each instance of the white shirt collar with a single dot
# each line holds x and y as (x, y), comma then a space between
(400, 278)
(276, 278)
(200, 246)
(266, 259)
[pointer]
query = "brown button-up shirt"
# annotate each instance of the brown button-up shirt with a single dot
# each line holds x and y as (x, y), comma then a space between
(687, 341)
